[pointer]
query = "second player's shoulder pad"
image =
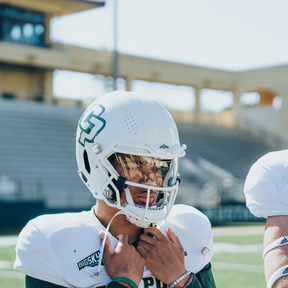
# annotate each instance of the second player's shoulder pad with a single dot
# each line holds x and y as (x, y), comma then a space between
(266, 185)
(193, 229)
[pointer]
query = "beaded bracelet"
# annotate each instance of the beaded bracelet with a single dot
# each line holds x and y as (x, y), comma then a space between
(126, 280)
(180, 278)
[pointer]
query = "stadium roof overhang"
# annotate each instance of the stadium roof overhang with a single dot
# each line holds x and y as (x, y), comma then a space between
(55, 7)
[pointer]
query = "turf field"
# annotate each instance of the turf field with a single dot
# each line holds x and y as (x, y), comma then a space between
(237, 260)
(8, 277)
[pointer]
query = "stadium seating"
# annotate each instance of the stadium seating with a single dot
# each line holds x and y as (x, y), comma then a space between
(38, 146)
(233, 149)
(216, 164)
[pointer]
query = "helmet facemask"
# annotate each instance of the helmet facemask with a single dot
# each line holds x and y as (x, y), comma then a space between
(144, 188)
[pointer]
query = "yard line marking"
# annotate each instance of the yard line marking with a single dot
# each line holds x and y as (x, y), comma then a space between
(12, 274)
(5, 264)
(221, 247)
(238, 267)
(8, 240)
(241, 231)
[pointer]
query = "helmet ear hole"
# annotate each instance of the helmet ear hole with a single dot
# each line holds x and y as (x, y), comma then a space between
(86, 161)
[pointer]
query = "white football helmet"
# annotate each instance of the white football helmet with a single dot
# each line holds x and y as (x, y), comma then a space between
(129, 143)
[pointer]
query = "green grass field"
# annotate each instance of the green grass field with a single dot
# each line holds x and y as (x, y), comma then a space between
(237, 262)
(242, 268)
(8, 277)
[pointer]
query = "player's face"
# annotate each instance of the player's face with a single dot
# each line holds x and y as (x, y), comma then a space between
(141, 170)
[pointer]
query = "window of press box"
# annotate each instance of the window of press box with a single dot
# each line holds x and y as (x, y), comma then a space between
(21, 26)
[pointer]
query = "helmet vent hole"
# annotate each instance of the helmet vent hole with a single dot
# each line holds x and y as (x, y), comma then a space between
(86, 161)
(130, 123)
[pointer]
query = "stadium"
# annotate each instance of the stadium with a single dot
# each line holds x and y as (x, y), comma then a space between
(38, 173)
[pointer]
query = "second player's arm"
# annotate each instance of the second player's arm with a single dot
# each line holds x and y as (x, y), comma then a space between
(276, 227)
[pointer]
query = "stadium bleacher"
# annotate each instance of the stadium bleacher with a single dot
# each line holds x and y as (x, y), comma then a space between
(232, 149)
(216, 164)
(38, 146)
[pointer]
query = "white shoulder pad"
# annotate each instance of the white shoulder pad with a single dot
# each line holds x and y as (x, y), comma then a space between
(50, 248)
(185, 220)
(33, 257)
(266, 185)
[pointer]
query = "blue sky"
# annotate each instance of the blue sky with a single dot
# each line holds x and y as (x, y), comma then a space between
(230, 35)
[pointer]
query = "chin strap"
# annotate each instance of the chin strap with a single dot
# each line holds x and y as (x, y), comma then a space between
(97, 273)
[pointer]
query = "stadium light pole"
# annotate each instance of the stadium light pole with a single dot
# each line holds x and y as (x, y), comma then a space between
(115, 55)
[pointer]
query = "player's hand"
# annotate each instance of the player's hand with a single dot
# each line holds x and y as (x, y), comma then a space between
(125, 261)
(164, 256)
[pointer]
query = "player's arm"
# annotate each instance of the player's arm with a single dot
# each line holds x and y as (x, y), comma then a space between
(203, 279)
(276, 259)
(31, 282)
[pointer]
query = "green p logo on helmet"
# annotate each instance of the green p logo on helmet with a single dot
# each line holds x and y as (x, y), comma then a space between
(91, 124)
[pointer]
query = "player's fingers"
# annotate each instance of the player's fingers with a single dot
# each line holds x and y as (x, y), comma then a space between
(101, 236)
(174, 239)
(107, 246)
(155, 232)
(122, 241)
(142, 250)
(148, 239)
(122, 238)
(148, 246)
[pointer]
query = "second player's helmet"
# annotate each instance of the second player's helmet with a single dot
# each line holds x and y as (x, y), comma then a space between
(127, 143)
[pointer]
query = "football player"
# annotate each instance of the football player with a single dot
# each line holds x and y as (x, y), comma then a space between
(128, 153)
(266, 189)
